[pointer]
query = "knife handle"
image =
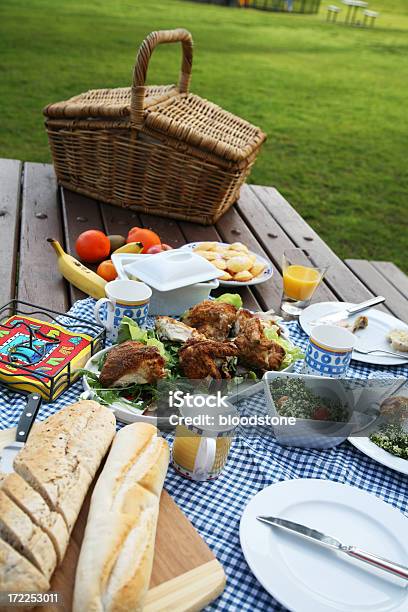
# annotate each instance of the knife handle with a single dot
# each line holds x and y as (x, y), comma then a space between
(367, 304)
(385, 564)
(28, 417)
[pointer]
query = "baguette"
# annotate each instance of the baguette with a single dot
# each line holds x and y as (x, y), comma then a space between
(37, 509)
(115, 563)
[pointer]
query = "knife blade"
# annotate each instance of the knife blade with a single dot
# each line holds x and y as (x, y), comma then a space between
(312, 535)
(25, 423)
(345, 313)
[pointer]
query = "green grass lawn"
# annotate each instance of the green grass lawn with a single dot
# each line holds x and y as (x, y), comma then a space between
(332, 99)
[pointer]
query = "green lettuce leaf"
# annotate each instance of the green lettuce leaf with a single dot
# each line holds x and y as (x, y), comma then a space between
(158, 344)
(230, 298)
(130, 330)
(292, 353)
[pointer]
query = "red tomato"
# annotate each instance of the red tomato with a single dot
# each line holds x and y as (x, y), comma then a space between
(158, 248)
(321, 414)
(92, 246)
(147, 237)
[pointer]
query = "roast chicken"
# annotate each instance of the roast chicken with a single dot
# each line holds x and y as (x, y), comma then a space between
(132, 363)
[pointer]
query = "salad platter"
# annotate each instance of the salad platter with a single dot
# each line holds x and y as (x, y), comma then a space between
(388, 443)
(215, 339)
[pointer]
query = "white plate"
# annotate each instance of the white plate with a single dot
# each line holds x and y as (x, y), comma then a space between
(373, 337)
(126, 415)
(379, 454)
(306, 577)
(266, 274)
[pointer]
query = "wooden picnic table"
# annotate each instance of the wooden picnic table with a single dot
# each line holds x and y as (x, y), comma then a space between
(352, 7)
(33, 208)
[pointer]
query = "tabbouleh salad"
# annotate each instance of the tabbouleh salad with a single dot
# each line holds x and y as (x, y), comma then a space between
(393, 439)
(293, 399)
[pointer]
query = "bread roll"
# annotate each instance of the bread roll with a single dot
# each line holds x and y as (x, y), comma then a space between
(116, 558)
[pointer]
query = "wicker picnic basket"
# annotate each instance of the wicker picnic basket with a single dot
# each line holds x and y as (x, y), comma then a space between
(158, 150)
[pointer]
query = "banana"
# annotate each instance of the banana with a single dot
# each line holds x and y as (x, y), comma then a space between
(77, 274)
(131, 247)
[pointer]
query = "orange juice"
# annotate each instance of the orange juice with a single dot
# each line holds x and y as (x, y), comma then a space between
(300, 282)
(185, 449)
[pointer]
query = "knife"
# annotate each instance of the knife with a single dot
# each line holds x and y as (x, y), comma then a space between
(351, 310)
(25, 423)
(325, 540)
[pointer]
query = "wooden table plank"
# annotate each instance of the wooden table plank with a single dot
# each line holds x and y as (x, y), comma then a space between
(168, 229)
(10, 178)
(117, 220)
(271, 236)
(379, 285)
(198, 233)
(39, 278)
(339, 277)
(80, 213)
(394, 275)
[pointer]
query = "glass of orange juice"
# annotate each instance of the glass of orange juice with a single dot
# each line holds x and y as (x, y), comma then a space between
(302, 275)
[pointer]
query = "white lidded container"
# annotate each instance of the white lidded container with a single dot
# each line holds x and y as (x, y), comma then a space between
(312, 433)
(173, 302)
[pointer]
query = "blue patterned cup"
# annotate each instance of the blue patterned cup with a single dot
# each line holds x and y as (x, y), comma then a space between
(329, 351)
(125, 298)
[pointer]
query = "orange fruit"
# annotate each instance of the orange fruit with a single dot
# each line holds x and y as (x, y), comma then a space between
(107, 270)
(92, 246)
(147, 237)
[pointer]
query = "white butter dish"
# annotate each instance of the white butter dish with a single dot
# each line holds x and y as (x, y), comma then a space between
(173, 269)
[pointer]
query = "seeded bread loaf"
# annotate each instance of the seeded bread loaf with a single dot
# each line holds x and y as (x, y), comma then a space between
(40, 502)
(31, 502)
(17, 575)
(17, 529)
(63, 454)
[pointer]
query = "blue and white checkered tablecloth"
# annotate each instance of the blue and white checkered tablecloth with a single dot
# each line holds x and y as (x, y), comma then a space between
(215, 508)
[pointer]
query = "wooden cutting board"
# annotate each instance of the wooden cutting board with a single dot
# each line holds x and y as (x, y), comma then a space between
(186, 574)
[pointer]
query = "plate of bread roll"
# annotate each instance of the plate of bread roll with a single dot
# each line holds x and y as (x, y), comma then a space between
(107, 539)
(240, 265)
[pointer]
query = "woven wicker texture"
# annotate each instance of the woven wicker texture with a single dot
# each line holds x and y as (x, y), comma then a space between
(157, 149)
(107, 102)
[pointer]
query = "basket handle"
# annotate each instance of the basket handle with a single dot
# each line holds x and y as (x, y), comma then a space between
(142, 62)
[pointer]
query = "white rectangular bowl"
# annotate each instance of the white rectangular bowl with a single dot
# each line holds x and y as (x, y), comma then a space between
(171, 303)
(310, 433)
